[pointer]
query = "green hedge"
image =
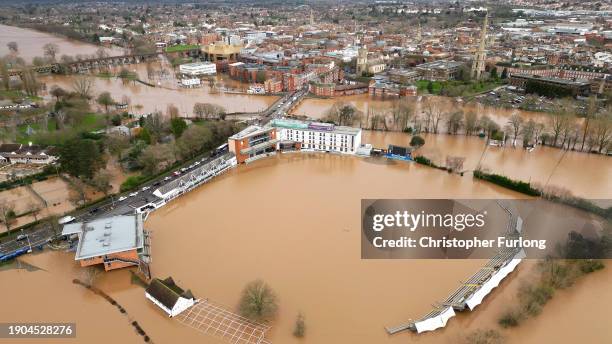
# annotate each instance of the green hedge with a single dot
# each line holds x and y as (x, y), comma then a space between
(506, 182)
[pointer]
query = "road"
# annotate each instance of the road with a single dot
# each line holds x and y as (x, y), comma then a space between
(126, 202)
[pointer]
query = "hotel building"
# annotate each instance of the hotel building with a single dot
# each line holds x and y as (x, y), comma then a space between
(317, 136)
(252, 143)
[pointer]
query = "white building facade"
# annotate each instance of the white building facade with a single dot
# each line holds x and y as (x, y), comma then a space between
(198, 68)
(319, 136)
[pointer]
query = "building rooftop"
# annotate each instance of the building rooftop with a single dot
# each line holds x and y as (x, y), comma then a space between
(314, 126)
(250, 131)
(167, 292)
(107, 235)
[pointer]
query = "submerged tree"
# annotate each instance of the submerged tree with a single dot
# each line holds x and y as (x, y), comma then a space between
(258, 302)
(300, 326)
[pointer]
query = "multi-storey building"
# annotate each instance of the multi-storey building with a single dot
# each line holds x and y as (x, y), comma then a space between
(252, 143)
(317, 136)
(198, 68)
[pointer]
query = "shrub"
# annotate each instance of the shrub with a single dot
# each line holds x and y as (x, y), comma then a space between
(300, 326)
(506, 182)
(417, 141)
(509, 319)
(132, 182)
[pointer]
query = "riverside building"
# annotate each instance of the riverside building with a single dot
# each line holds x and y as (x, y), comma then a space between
(252, 143)
(317, 136)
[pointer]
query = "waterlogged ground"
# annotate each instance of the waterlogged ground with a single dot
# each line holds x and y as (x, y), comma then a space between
(293, 220)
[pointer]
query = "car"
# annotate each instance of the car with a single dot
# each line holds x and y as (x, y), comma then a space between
(183, 169)
(157, 184)
(122, 198)
(197, 163)
(135, 193)
(145, 188)
(22, 237)
(177, 173)
(167, 178)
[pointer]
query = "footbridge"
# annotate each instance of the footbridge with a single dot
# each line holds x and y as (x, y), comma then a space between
(83, 65)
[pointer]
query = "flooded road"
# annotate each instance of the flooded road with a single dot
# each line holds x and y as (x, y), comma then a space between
(293, 221)
(30, 44)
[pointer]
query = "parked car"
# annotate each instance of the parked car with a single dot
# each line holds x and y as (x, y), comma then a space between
(22, 237)
(135, 193)
(122, 198)
(167, 178)
(145, 188)
(177, 173)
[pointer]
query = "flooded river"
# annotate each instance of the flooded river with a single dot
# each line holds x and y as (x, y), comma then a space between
(317, 107)
(293, 221)
(30, 44)
(585, 175)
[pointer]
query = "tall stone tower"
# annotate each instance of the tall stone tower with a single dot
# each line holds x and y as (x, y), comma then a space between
(478, 65)
(362, 61)
(419, 33)
(311, 18)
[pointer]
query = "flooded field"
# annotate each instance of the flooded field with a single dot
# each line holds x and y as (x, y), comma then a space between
(54, 191)
(293, 221)
(147, 99)
(566, 169)
(317, 108)
(30, 44)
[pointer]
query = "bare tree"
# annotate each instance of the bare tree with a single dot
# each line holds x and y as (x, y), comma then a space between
(83, 86)
(34, 208)
(4, 74)
(455, 122)
(602, 131)
(101, 53)
(516, 123)
(591, 111)
(51, 50)
(13, 47)
(7, 213)
(172, 111)
(402, 111)
(471, 122)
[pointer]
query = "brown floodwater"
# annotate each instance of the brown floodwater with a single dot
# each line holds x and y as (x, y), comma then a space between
(318, 107)
(293, 221)
(30, 44)
(585, 175)
(147, 99)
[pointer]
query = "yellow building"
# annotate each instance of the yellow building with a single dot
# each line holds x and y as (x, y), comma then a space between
(220, 51)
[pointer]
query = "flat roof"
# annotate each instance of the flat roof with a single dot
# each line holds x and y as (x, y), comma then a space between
(314, 126)
(109, 235)
(250, 131)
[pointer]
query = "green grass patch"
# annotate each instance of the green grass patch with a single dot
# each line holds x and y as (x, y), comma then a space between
(181, 47)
